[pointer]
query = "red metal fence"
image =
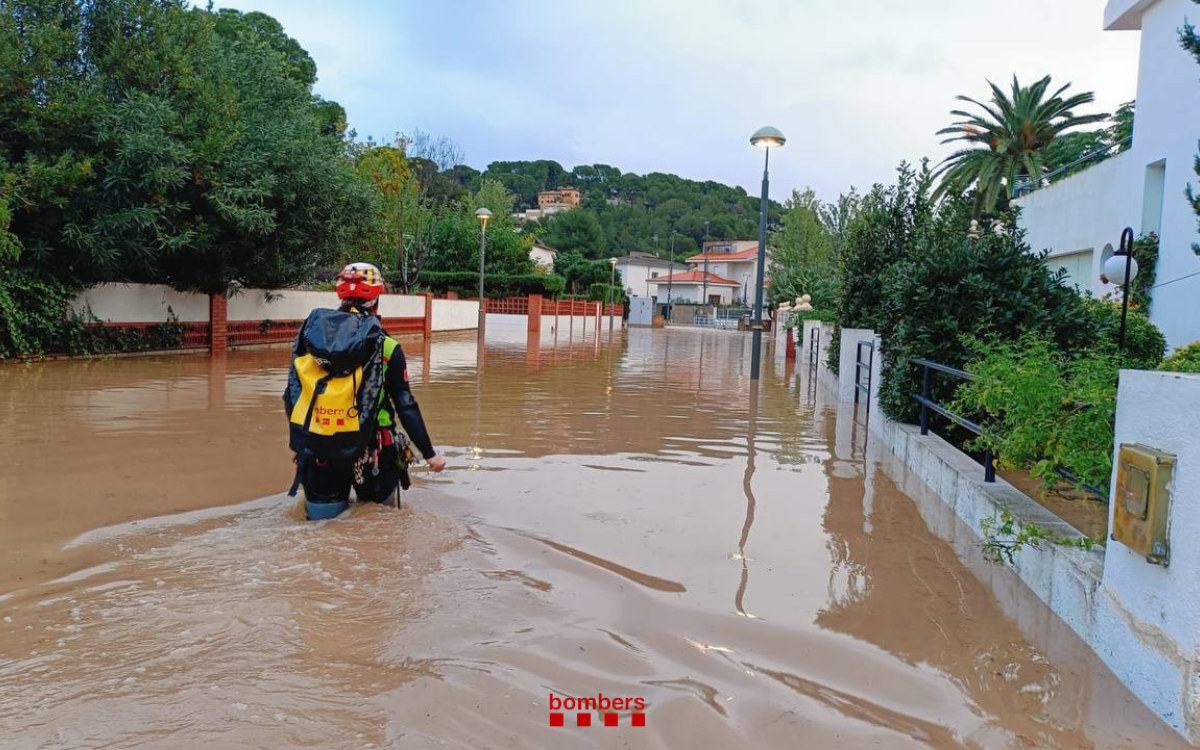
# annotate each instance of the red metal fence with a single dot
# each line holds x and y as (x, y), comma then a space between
(508, 306)
(568, 307)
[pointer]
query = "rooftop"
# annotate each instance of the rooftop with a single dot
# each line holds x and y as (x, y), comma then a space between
(742, 255)
(694, 277)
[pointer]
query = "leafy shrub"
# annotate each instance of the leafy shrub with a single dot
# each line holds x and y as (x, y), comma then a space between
(599, 293)
(796, 319)
(466, 284)
(958, 282)
(1144, 343)
(1184, 359)
(1145, 252)
(33, 312)
(1042, 408)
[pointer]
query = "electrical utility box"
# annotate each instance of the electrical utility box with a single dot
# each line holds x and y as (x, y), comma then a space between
(641, 311)
(1142, 502)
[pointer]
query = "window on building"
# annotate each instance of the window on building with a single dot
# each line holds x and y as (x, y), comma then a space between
(1152, 197)
(1077, 268)
(654, 274)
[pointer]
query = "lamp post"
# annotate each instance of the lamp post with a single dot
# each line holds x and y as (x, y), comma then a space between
(483, 215)
(704, 251)
(670, 274)
(765, 138)
(612, 280)
(1121, 269)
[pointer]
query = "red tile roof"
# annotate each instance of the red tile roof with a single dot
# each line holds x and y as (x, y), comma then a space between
(693, 277)
(743, 255)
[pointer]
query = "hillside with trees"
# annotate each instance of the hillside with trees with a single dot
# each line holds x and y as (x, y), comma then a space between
(629, 210)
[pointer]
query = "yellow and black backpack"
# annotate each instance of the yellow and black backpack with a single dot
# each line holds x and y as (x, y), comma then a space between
(332, 398)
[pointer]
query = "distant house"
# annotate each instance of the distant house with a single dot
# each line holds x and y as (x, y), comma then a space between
(543, 256)
(1079, 218)
(730, 260)
(638, 269)
(696, 287)
(564, 197)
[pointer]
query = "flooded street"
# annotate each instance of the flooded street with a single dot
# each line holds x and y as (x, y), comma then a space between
(624, 516)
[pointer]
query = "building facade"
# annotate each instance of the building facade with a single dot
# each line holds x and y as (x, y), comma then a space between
(543, 256)
(694, 287)
(638, 269)
(565, 197)
(733, 260)
(1079, 219)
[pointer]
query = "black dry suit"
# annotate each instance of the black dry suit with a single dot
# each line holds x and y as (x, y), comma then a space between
(331, 347)
(339, 445)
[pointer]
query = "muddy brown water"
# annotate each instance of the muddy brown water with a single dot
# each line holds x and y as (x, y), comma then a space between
(624, 517)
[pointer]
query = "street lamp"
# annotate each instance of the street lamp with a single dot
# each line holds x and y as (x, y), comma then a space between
(765, 138)
(612, 280)
(704, 252)
(670, 274)
(483, 215)
(1121, 269)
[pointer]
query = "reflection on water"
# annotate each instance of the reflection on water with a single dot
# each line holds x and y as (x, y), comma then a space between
(626, 515)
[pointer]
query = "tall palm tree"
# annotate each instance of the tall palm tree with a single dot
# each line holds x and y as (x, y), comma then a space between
(1007, 139)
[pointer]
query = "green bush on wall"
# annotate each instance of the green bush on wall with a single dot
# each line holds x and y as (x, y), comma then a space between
(1144, 343)
(1184, 359)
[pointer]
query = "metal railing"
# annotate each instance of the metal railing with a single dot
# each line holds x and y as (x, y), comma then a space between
(859, 365)
(928, 404)
(1025, 185)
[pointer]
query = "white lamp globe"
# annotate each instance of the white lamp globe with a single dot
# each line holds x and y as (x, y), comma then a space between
(1114, 269)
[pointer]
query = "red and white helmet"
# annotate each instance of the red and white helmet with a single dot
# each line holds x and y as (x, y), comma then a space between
(361, 282)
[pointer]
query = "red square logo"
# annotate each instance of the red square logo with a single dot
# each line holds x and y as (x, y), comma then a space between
(610, 720)
(583, 720)
(556, 720)
(639, 720)
(341, 423)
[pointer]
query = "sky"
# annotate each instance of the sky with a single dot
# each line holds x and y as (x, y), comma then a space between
(678, 86)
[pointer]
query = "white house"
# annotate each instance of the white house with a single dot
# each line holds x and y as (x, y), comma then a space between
(1079, 218)
(543, 255)
(692, 286)
(734, 260)
(637, 269)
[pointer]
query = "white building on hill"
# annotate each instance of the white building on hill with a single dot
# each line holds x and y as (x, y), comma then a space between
(733, 260)
(1080, 218)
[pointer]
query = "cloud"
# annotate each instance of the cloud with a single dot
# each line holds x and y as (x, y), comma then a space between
(678, 85)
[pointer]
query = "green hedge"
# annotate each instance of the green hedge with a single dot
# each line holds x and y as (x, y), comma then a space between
(599, 293)
(466, 284)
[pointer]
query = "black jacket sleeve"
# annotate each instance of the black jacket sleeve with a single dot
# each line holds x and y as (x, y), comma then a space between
(292, 392)
(395, 383)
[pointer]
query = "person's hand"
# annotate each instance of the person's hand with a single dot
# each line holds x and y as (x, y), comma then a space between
(437, 463)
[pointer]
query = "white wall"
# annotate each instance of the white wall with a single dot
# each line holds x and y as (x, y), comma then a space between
(295, 304)
(1089, 209)
(455, 314)
(147, 303)
(140, 303)
(1148, 620)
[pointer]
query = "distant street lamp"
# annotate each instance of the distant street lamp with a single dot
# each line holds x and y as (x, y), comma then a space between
(704, 252)
(765, 138)
(1121, 269)
(483, 215)
(612, 280)
(670, 274)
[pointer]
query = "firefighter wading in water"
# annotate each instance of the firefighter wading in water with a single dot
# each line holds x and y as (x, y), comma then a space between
(347, 387)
